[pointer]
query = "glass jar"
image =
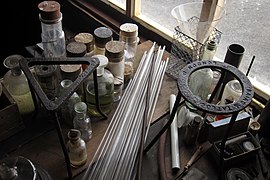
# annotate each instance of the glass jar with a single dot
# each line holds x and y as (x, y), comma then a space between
(76, 148)
(105, 82)
(129, 35)
(72, 71)
(17, 85)
(234, 89)
(67, 108)
(114, 50)
(102, 35)
(82, 121)
(88, 40)
(53, 37)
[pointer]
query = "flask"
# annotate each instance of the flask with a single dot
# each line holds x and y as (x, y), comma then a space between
(114, 51)
(67, 109)
(76, 148)
(192, 130)
(105, 82)
(17, 85)
(102, 35)
(82, 121)
(53, 37)
(129, 35)
(200, 81)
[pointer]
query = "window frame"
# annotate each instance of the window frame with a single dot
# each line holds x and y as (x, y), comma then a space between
(104, 10)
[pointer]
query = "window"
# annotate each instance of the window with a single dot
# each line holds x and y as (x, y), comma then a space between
(245, 23)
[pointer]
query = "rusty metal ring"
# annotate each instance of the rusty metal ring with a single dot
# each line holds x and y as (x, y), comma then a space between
(247, 88)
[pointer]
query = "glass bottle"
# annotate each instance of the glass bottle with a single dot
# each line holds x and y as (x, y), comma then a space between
(192, 130)
(200, 81)
(88, 40)
(102, 35)
(53, 37)
(114, 51)
(72, 71)
(129, 35)
(209, 50)
(76, 148)
(67, 109)
(17, 85)
(105, 82)
(234, 89)
(82, 121)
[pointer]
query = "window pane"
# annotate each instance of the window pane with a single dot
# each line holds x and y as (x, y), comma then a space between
(119, 3)
(245, 23)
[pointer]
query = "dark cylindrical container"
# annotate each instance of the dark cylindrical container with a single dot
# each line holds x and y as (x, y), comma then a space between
(234, 57)
(264, 120)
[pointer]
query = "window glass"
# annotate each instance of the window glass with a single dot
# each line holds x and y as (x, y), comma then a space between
(119, 3)
(244, 23)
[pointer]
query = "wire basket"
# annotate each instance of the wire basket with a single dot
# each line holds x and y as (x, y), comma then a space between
(185, 49)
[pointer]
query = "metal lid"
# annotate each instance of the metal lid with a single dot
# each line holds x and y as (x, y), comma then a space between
(87, 39)
(102, 35)
(114, 49)
(49, 11)
(76, 49)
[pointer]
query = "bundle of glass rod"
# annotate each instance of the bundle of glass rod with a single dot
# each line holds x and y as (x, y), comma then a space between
(118, 151)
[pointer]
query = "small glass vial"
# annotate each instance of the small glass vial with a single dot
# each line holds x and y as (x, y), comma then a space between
(17, 85)
(67, 109)
(82, 121)
(105, 82)
(192, 130)
(209, 51)
(114, 50)
(102, 35)
(53, 37)
(76, 148)
(129, 35)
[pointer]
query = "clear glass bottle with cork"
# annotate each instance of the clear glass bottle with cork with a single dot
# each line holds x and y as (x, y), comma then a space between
(76, 148)
(114, 51)
(82, 121)
(105, 82)
(102, 35)
(129, 35)
(67, 109)
(200, 81)
(72, 71)
(17, 85)
(88, 40)
(53, 37)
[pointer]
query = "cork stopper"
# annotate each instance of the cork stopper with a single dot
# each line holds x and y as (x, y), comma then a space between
(76, 49)
(49, 12)
(114, 49)
(102, 35)
(129, 30)
(87, 39)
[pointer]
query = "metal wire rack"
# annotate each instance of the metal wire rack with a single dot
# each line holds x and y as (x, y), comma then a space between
(186, 49)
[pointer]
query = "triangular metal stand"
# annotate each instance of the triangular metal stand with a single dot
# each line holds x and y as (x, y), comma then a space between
(54, 105)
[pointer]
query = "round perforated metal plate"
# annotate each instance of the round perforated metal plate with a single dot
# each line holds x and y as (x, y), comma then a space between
(247, 89)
